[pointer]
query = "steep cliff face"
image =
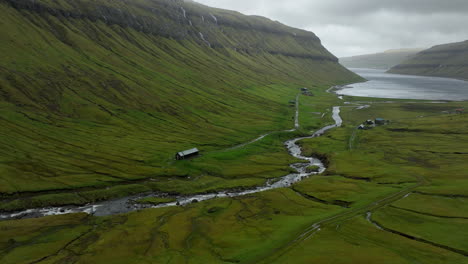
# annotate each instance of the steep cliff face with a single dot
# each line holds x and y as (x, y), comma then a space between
(449, 60)
(107, 90)
(384, 60)
(182, 20)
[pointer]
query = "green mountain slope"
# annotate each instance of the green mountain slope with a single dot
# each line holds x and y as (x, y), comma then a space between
(449, 60)
(94, 93)
(384, 60)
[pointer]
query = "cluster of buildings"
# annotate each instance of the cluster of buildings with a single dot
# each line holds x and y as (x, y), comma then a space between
(369, 124)
(306, 92)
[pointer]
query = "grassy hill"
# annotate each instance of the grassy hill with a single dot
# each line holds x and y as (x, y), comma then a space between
(384, 60)
(449, 60)
(95, 94)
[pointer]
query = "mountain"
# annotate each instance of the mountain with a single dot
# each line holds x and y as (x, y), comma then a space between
(100, 92)
(449, 60)
(384, 60)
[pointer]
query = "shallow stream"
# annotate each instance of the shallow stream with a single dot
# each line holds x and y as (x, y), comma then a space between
(128, 204)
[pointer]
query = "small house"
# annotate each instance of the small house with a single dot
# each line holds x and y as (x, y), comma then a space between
(306, 92)
(380, 121)
(365, 127)
(187, 154)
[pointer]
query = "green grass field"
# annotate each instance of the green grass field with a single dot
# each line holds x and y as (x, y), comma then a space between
(269, 227)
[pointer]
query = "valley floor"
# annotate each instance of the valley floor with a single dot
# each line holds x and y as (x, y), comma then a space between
(393, 194)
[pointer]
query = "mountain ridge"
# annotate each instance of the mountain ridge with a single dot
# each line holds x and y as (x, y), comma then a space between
(85, 103)
(446, 60)
(382, 60)
(183, 19)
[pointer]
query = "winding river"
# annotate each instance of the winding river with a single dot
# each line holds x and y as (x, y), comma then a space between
(128, 204)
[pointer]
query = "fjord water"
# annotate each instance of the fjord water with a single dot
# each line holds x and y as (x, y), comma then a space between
(396, 86)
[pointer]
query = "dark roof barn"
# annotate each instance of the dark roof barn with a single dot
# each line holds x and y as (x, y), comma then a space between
(187, 154)
(380, 121)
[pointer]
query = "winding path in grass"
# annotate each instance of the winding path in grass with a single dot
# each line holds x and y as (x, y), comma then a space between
(128, 204)
(296, 127)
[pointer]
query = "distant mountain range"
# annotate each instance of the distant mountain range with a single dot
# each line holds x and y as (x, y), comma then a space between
(448, 60)
(384, 60)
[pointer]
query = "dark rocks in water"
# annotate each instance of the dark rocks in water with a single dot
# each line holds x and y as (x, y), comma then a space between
(178, 203)
(194, 201)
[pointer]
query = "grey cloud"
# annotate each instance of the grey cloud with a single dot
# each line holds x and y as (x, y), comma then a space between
(351, 27)
(359, 7)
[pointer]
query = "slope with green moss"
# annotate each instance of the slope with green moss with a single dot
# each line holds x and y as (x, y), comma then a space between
(99, 93)
(449, 60)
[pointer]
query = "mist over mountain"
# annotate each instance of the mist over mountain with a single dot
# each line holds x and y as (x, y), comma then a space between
(384, 60)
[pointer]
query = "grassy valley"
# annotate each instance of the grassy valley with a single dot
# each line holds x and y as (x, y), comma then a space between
(392, 197)
(100, 95)
(96, 98)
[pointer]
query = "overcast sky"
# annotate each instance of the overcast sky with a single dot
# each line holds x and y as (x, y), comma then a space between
(354, 27)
